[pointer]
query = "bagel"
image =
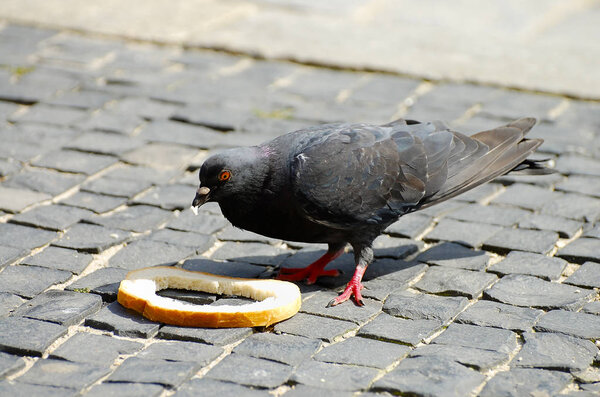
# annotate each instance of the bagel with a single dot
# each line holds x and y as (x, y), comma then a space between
(277, 300)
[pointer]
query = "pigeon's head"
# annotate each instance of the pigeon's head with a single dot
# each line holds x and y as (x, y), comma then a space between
(230, 174)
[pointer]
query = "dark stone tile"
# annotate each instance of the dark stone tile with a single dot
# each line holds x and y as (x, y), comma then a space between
(16, 389)
(62, 307)
(588, 275)
(469, 356)
(466, 233)
(410, 226)
(9, 255)
(138, 218)
(46, 181)
(315, 327)
(213, 387)
(494, 314)
(487, 338)
(161, 155)
(92, 238)
(503, 216)
(581, 325)
(60, 373)
(399, 330)
(98, 203)
(531, 264)
(24, 237)
(592, 307)
(60, 259)
(555, 351)
(581, 250)
(181, 351)
(525, 196)
(135, 173)
(28, 281)
(317, 304)
(46, 114)
(116, 187)
(89, 348)
(525, 381)
(125, 390)
(232, 269)
(104, 143)
(167, 373)
(286, 349)
(480, 194)
(250, 371)
(527, 291)
(334, 376)
(232, 233)
(540, 241)
(116, 123)
(28, 337)
(385, 276)
(9, 302)
(182, 133)
(213, 336)
(16, 200)
(363, 351)
(391, 247)
(423, 306)
(144, 253)
(574, 206)
(104, 282)
(455, 255)
(203, 223)
(566, 228)
(73, 161)
(255, 253)
(169, 197)
(414, 375)
(200, 242)
(194, 297)
(54, 217)
(122, 322)
(301, 390)
(446, 280)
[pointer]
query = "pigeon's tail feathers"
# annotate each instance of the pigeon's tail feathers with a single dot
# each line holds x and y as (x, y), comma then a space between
(507, 151)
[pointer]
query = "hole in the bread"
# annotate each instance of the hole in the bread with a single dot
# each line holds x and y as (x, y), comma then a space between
(204, 298)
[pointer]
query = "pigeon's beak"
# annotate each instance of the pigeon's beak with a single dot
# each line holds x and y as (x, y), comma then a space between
(202, 196)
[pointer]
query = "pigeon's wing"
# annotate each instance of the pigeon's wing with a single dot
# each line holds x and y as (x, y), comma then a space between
(360, 173)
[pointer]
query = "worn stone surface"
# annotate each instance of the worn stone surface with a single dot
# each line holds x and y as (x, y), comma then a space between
(286, 349)
(26, 336)
(18, 236)
(181, 351)
(54, 217)
(125, 390)
(9, 302)
(363, 351)
(495, 314)
(139, 218)
(423, 306)
(581, 250)
(566, 228)
(144, 253)
(98, 203)
(506, 240)
(588, 275)
(399, 330)
(213, 387)
(92, 238)
(525, 381)
(455, 255)
(60, 259)
(10, 364)
(121, 321)
(61, 307)
(581, 325)
(18, 389)
(139, 370)
(250, 371)
(410, 226)
(413, 376)
(531, 264)
(104, 282)
(9, 255)
(217, 337)
(470, 356)
(28, 281)
(317, 304)
(60, 373)
(316, 327)
(444, 280)
(470, 234)
(15, 200)
(90, 348)
(334, 376)
(555, 351)
(530, 291)
(487, 338)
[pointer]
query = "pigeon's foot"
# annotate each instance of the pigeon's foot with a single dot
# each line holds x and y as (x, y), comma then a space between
(353, 288)
(312, 271)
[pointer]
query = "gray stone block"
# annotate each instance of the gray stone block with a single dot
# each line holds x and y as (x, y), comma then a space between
(495, 314)
(104, 282)
(104, 143)
(317, 304)
(315, 327)
(16, 200)
(566, 228)
(144, 253)
(250, 371)
(525, 196)
(531, 264)
(60, 259)
(135, 173)
(470, 234)
(10, 364)
(581, 250)
(540, 241)
(72, 161)
(115, 186)
(54, 217)
(334, 376)
(92, 238)
(254, 253)
(169, 197)
(46, 181)
(200, 242)
(232, 269)
(99, 203)
(203, 223)
(9, 255)
(80, 99)
(555, 351)
(413, 376)
(422, 306)
(480, 359)
(28, 337)
(592, 307)
(167, 373)
(503, 216)
(364, 352)
(574, 206)
(95, 349)
(125, 390)
(525, 381)
(574, 164)
(138, 218)
(122, 322)
(17, 389)
(385, 246)
(46, 114)
(18, 236)
(581, 325)
(487, 338)
(455, 255)
(530, 291)
(446, 280)
(161, 156)
(213, 387)
(9, 302)
(385, 276)
(213, 336)
(181, 351)
(301, 390)
(61, 307)
(194, 297)
(588, 275)
(589, 186)
(399, 330)
(286, 349)
(28, 281)
(410, 226)
(108, 121)
(60, 373)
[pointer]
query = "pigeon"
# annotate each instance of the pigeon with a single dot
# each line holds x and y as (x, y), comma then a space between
(346, 183)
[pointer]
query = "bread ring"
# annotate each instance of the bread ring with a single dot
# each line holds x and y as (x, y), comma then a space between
(277, 300)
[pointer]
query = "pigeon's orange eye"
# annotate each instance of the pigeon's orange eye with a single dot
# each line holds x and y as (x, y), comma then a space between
(224, 175)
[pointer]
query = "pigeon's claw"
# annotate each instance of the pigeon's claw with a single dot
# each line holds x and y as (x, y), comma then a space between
(353, 288)
(312, 271)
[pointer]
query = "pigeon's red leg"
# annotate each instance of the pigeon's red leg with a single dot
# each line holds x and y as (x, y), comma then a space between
(353, 288)
(312, 271)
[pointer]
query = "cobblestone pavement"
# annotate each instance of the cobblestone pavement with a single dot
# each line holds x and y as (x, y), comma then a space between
(492, 293)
